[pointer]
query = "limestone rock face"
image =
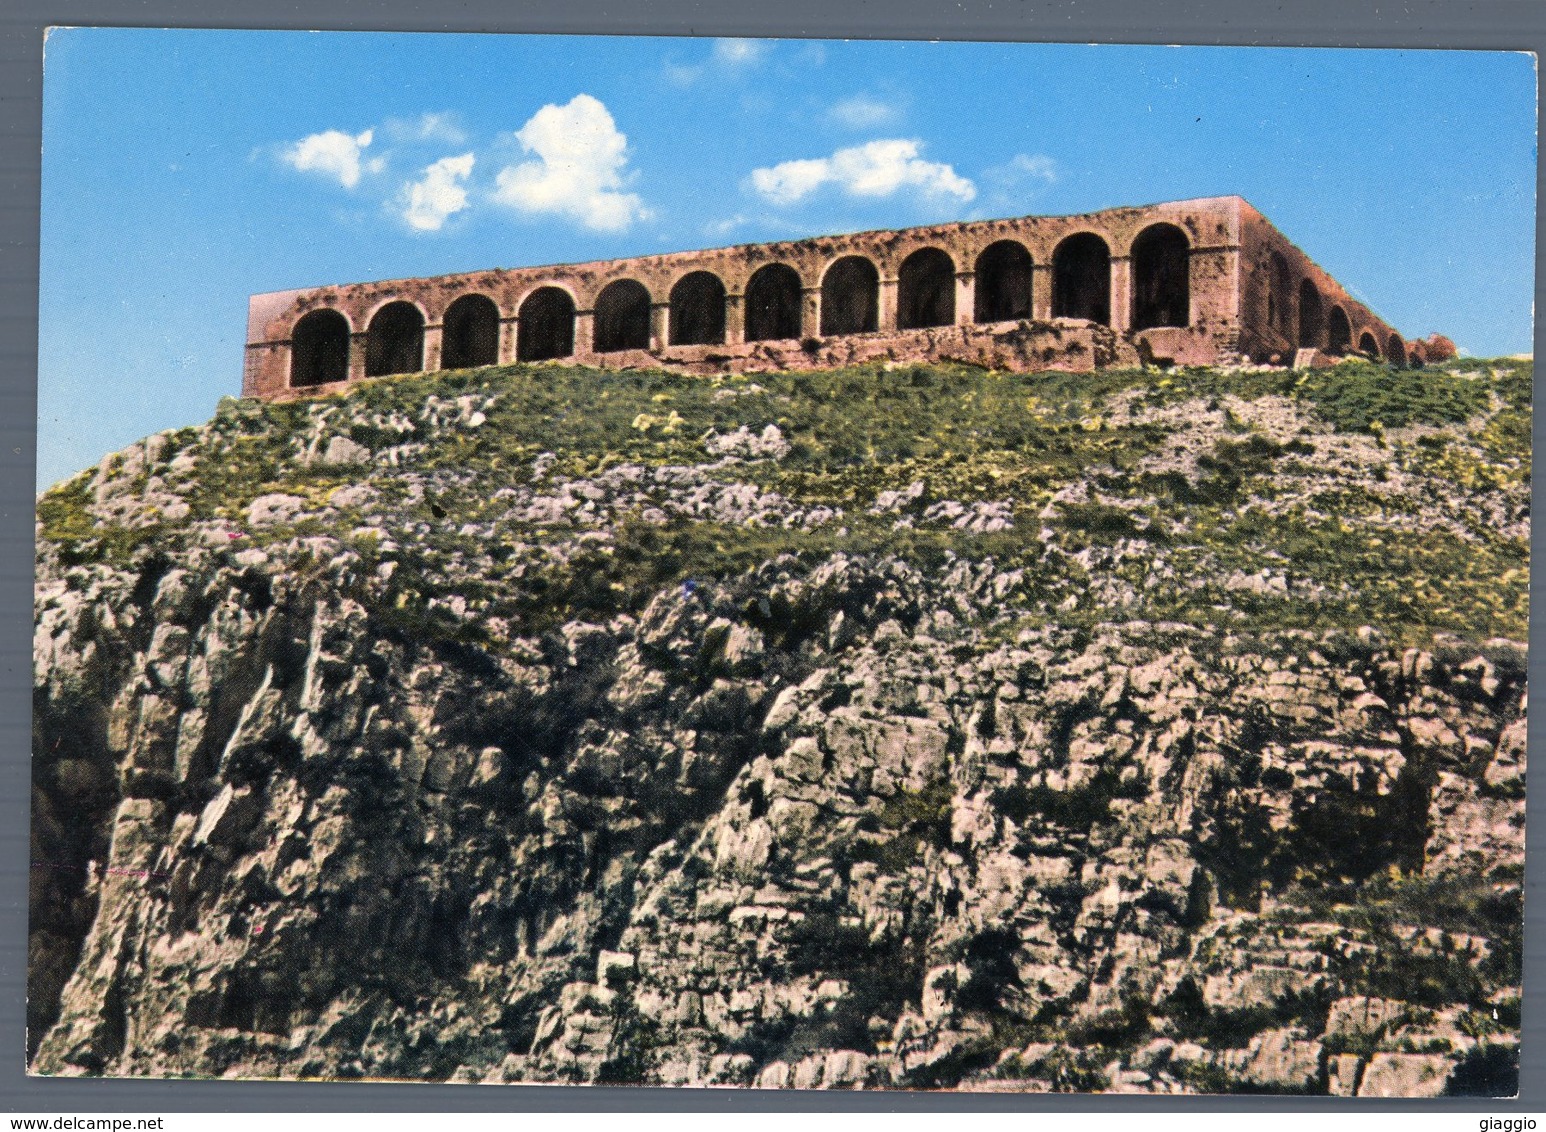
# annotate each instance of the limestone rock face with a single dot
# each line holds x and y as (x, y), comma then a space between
(827, 820)
(1406, 1075)
(592, 859)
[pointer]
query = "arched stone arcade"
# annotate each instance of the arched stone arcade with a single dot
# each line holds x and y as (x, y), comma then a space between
(1005, 280)
(1339, 332)
(319, 349)
(773, 304)
(470, 333)
(622, 317)
(926, 290)
(1310, 318)
(1280, 296)
(545, 326)
(697, 310)
(1193, 281)
(395, 341)
(1081, 279)
(1162, 288)
(1395, 352)
(850, 297)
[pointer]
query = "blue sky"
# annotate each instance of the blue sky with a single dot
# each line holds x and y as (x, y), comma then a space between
(185, 170)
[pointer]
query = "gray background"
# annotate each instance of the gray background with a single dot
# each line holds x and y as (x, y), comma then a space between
(1487, 24)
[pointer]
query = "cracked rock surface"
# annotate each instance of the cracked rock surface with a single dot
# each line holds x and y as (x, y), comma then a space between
(380, 764)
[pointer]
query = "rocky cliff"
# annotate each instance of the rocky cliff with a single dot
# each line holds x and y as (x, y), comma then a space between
(895, 727)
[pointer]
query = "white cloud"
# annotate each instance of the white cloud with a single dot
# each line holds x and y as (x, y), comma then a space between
(438, 195)
(728, 57)
(1032, 167)
(579, 171)
(1020, 180)
(334, 154)
(682, 74)
(765, 225)
(427, 127)
(874, 169)
(788, 181)
(740, 52)
(861, 112)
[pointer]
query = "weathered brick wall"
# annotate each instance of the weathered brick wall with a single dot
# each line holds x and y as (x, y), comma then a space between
(1226, 301)
(1271, 318)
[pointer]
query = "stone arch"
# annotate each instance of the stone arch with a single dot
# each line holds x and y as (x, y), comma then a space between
(850, 297)
(622, 317)
(395, 341)
(1310, 318)
(545, 325)
(1162, 283)
(926, 290)
(1395, 351)
(1279, 296)
(319, 348)
(1004, 282)
(773, 297)
(469, 333)
(1415, 357)
(697, 310)
(1368, 346)
(1339, 332)
(1081, 278)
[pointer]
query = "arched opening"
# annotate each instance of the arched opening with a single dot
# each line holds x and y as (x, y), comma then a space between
(1162, 288)
(319, 349)
(850, 297)
(1395, 351)
(470, 333)
(1310, 327)
(1279, 296)
(1415, 358)
(622, 317)
(545, 325)
(926, 290)
(1339, 332)
(1367, 346)
(1081, 278)
(395, 341)
(1004, 277)
(698, 310)
(773, 303)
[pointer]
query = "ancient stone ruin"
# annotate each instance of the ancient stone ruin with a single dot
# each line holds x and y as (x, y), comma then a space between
(1196, 282)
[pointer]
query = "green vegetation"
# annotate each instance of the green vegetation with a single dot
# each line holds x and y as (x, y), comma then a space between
(909, 820)
(1347, 548)
(1233, 1028)
(882, 978)
(1363, 397)
(1488, 908)
(1487, 1071)
(1078, 808)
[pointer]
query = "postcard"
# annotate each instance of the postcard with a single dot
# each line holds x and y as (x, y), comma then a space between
(782, 564)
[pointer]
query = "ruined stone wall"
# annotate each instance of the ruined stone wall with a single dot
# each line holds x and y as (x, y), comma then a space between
(1224, 303)
(1272, 317)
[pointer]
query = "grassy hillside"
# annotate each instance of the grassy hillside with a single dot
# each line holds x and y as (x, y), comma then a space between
(1342, 497)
